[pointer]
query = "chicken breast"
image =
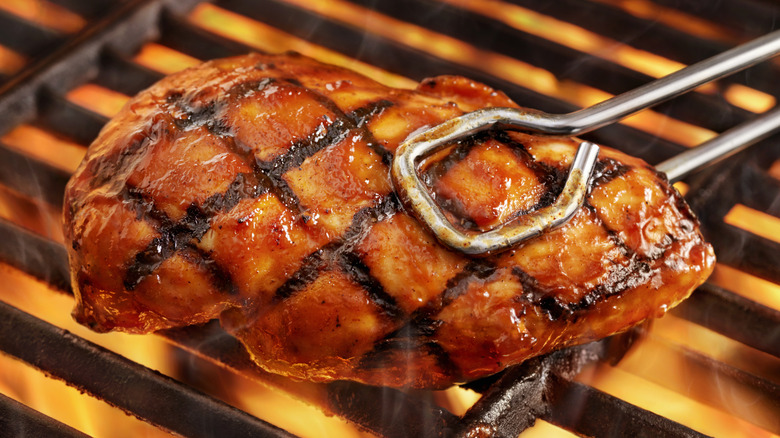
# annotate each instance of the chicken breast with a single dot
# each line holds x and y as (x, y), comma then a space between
(256, 190)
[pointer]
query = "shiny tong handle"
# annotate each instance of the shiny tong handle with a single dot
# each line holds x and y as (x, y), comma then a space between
(420, 145)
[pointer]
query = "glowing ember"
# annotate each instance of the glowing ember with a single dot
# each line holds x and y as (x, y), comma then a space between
(653, 375)
(749, 286)
(774, 171)
(45, 13)
(673, 18)
(98, 99)
(749, 98)
(163, 59)
(669, 403)
(56, 399)
(757, 222)
(269, 39)
(671, 344)
(42, 145)
(594, 44)
(572, 36)
(10, 61)
(501, 66)
(682, 187)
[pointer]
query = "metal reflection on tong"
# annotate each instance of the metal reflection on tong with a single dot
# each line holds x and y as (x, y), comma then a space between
(417, 147)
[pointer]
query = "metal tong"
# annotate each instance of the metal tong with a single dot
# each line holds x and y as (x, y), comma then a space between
(420, 145)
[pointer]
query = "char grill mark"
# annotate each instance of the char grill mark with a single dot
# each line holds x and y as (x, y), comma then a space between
(310, 270)
(552, 178)
(423, 321)
(267, 177)
(622, 278)
(422, 324)
(105, 168)
(322, 173)
(637, 272)
(353, 266)
(412, 338)
(342, 252)
(460, 150)
(457, 285)
(606, 170)
(176, 235)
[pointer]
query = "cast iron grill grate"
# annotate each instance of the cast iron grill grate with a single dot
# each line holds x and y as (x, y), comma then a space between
(102, 53)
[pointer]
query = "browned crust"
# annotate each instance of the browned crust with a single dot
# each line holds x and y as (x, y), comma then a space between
(256, 189)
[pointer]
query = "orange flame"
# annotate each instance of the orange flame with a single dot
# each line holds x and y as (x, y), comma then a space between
(56, 399)
(45, 13)
(98, 99)
(163, 59)
(40, 144)
(11, 61)
(501, 66)
(683, 393)
(757, 222)
(269, 39)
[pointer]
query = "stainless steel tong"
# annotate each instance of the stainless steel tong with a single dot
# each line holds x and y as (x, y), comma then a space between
(417, 147)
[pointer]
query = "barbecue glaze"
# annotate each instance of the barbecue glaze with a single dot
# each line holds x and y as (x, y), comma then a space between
(256, 190)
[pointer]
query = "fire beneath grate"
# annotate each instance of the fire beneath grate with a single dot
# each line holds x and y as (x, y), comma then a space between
(711, 367)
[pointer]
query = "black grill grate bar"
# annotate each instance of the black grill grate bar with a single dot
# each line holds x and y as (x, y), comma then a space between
(342, 398)
(42, 258)
(383, 411)
(378, 51)
(745, 251)
(17, 420)
(356, 402)
(590, 412)
(123, 75)
(409, 62)
(181, 35)
(708, 111)
(514, 401)
(62, 116)
(123, 29)
(140, 391)
(744, 17)
(25, 36)
(647, 34)
(212, 343)
(88, 9)
(31, 177)
(763, 394)
(733, 316)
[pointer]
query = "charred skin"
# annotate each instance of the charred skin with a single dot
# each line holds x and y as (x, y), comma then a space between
(256, 190)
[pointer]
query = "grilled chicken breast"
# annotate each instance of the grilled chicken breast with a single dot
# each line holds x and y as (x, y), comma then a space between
(256, 190)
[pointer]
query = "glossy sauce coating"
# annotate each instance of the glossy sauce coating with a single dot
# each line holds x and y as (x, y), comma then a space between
(256, 190)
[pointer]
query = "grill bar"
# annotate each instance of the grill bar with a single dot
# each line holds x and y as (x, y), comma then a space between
(396, 57)
(18, 420)
(750, 17)
(59, 115)
(591, 412)
(26, 37)
(140, 391)
(499, 37)
(733, 316)
(18, 170)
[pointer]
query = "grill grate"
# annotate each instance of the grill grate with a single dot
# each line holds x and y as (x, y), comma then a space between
(543, 388)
